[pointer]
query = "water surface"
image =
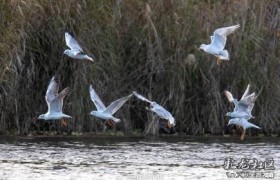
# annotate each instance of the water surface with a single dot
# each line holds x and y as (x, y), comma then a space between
(123, 158)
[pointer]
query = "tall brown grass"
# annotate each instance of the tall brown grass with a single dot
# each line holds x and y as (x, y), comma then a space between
(148, 46)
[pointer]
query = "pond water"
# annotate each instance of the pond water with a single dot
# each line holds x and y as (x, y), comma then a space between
(121, 158)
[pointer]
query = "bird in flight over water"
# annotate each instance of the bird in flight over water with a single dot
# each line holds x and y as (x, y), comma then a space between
(55, 101)
(242, 110)
(218, 42)
(106, 113)
(158, 109)
(75, 51)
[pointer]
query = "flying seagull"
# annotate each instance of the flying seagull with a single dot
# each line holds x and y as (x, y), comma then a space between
(244, 107)
(55, 101)
(218, 42)
(159, 110)
(103, 112)
(75, 50)
(242, 110)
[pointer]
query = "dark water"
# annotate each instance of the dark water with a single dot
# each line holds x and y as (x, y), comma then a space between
(130, 158)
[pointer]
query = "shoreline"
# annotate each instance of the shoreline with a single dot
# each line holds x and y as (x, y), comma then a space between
(118, 135)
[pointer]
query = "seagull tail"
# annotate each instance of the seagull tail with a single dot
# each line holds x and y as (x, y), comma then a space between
(89, 58)
(67, 116)
(256, 127)
(224, 55)
(251, 125)
(116, 120)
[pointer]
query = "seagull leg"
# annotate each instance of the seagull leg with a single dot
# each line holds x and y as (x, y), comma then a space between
(219, 61)
(57, 127)
(109, 122)
(114, 126)
(168, 125)
(243, 135)
(104, 126)
(64, 122)
(69, 127)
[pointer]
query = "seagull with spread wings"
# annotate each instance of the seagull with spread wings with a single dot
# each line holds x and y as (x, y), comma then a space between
(244, 107)
(159, 110)
(242, 110)
(218, 42)
(55, 101)
(75, 50)
(103, 112)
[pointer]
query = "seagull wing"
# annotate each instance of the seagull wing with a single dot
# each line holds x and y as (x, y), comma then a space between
(225, 31)
(96, 99)
(163, 113)
(243, 108)
(220, 36)
(141, 97)
(116, 105)
(72, 43)
(57, 103)
(248, 99)
(52, 90)
(232, 100)
(218, 41)
(246, 92)
(229, 96)
(248, 102)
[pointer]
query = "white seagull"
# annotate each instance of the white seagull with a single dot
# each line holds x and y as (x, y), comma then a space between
(159, 110)
(103, 112)
(218, 42)
(75, 50)
(242, 110)
(244, 107)
(55, 101)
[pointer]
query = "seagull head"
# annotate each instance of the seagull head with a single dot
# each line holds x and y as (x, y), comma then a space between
(93, 113)
(202, 47)
(230, 122)
(153, 104)
(67, 52)
(228, 114)
(42, 116)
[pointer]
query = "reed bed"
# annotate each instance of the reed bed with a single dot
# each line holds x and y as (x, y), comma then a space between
(148, 46)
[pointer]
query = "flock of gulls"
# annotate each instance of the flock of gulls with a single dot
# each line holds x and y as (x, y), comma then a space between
(239, 117)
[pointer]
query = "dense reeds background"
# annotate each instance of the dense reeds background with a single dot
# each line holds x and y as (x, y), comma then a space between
(148, 46)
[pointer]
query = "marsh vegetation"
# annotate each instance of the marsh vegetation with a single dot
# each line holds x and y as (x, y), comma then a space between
(148, 46)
